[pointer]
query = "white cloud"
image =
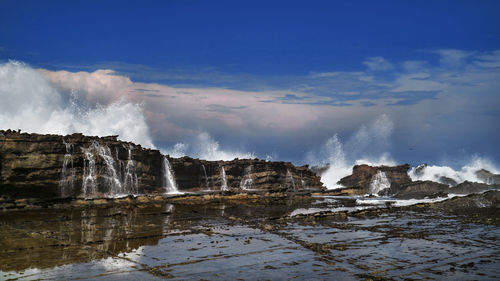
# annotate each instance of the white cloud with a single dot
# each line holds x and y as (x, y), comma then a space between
(378, 64)
(453, 58)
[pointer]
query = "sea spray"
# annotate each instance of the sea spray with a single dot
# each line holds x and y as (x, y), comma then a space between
(35, 105)
(368, 145)
(448, 175)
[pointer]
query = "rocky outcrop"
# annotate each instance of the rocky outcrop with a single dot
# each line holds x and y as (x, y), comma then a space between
(50, 166)
(488, 177)
(35, 165)
(430, 189)
(195, 174)
(420, 189)
(365, 177)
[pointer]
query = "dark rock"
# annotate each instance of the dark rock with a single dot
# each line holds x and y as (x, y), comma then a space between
(362, 176)
(470, 203)
(320, 169)
(488, 177)
(419, 170)
(468, 187)
(430, 189)
(448, 181)
(421, 189)
(51, 166)
(195, 174)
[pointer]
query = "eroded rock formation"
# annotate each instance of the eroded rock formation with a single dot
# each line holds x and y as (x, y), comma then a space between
(372, 179)
(49, 166)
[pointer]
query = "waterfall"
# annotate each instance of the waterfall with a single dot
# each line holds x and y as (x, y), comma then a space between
(224, 186)
(205, 173)
(168, 177)
(89, 180)
(130, 181)
(111, 178)
(90, 174)
(67, 178)
(379, 182)
(290, 179)
(246, 181)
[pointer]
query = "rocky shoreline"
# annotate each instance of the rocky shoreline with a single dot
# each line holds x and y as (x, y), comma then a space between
(54, 166)
(273, 221)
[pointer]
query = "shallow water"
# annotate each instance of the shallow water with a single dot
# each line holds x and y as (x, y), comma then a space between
(231, 240)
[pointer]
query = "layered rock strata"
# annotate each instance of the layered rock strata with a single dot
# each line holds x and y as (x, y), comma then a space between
(51, 166)
(376, 180)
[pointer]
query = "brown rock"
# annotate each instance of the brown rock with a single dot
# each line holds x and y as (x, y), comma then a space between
(362, 176)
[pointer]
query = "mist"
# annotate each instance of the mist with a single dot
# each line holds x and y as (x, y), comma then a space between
(32, 104)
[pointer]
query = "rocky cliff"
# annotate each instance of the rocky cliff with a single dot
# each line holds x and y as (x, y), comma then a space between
(374, 180)
(394, 181)
(48, 166)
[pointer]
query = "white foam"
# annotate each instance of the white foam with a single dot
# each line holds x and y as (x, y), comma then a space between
(204, 146)
(32, 104)
(466, 173)
(367, 146)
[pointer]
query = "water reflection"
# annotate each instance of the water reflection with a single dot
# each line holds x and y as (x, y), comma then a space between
(50, 238)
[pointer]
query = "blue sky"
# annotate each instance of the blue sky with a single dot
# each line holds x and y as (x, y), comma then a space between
(430, 66)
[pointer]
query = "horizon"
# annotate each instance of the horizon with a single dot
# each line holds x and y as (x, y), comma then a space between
(413, 82)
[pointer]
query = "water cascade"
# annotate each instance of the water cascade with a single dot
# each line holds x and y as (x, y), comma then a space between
(289, 179)
(246, 181)
(169, 179)
(110, 176)
(111, 183)
(205, 174)
(379, 182)
(224, 186)
(67, 177)
(89, 181)
(130, 181)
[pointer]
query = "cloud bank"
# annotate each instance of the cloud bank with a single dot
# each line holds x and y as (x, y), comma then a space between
(31, 103)
(444, 105)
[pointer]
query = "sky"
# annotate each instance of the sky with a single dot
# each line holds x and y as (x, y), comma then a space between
(405, 81)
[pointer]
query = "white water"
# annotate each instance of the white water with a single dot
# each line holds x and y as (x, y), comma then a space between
(169, 179)
(224, 186)
(246, 182)
(379, 182)
(30, 103)
(368, 145)
(112, 185)
(89, 182)
(204, 146)
(67, 178)
(130, 180)
(206, 177)
(290, 179)
(110, 175)
(367, 203)
(466, 173)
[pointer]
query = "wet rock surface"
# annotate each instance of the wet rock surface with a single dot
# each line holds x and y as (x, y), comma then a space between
(256, 236)
(363, 175)
(54, 166)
